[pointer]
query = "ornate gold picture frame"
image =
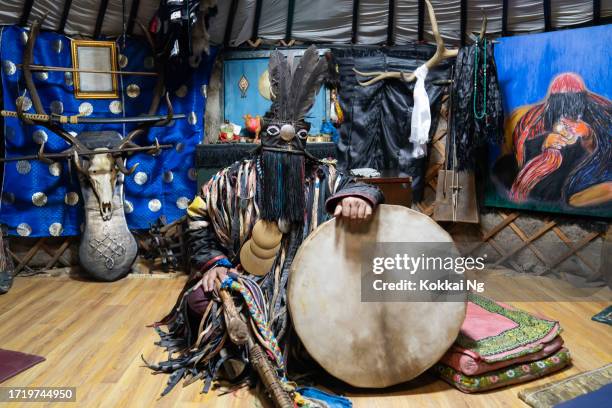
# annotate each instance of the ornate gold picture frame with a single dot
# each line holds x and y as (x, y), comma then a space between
(95, 65)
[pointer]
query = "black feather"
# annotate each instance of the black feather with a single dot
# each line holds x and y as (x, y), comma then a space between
(306, 82)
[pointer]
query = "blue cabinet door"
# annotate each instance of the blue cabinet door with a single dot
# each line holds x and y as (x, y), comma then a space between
(253, 103)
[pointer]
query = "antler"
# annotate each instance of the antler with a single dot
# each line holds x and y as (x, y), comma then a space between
(28, 59)
(441, 54)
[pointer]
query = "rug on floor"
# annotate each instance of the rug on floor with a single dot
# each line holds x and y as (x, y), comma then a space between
(14, 362)
(605, 316)
(552, 394)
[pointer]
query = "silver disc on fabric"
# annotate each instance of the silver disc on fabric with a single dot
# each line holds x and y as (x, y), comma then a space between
(204, 90)
(9, 67)
(133, 90)
(182, 203)
(55, 169)
(24, 229)
(42, 75)
(123, 61)
(115, 107)
(23, 167)
(154, 205)
(140, 178)
(24, 37)
(40, 136)
(86, 109)
(192, 174)
(180, 146)
(128, 207)
(182, 91)
(25, 101)
(39, 199)
(68, 78)
(71, 198)
(168, 176)
(57, 107)
(56, 229)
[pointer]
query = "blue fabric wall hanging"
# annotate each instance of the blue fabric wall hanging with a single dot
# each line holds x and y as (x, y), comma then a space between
(42, 200)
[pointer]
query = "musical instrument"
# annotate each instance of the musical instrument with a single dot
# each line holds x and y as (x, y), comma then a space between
(367, 344)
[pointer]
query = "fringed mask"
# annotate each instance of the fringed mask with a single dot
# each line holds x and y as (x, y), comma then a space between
(284, 134)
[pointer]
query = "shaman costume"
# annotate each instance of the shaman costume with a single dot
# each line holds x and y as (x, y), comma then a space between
(255, 214)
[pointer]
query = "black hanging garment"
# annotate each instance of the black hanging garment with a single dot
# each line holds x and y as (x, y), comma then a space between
(376, 129)
(474, 124)
(173, 25)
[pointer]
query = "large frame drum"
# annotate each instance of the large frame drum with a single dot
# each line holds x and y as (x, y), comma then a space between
(367, 344)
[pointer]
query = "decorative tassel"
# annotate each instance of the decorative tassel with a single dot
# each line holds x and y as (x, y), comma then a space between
(282, 187)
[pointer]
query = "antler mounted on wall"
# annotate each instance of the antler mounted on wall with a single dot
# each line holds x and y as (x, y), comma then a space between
(441, 54)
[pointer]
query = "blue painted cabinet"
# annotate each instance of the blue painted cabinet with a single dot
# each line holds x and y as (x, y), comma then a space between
(236, 105)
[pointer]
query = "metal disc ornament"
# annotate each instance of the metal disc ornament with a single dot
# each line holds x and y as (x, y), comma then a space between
(154, 205)
(39, 199)
(133, 90)
(86, 109)
(56, 229)
(115, 107)
(24, 229)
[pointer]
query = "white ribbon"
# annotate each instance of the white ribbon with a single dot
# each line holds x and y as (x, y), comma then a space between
(421, 115)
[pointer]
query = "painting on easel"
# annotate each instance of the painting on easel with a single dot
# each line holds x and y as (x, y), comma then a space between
(557, 150)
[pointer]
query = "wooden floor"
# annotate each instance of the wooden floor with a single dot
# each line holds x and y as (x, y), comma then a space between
(93, 334)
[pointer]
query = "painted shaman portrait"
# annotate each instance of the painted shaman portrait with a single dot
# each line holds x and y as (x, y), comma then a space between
(557, 150)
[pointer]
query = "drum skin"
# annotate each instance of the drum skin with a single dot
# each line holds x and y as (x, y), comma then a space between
(367, 344)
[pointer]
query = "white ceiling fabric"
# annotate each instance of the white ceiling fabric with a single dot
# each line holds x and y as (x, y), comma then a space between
(323, 21)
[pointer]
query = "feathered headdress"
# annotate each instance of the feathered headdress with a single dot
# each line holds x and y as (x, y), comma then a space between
(293, 90)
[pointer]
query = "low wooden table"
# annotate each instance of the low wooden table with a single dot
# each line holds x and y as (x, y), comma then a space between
(396, 189)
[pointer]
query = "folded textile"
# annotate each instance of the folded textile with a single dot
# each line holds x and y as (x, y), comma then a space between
(605, 316)
(469, 365)
(495, 332)
(500, 378)
(602, 398)
(549, 395)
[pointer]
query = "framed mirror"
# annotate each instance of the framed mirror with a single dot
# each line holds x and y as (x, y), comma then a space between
(95, 65)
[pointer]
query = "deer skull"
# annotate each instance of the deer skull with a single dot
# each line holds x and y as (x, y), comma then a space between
(101, 172)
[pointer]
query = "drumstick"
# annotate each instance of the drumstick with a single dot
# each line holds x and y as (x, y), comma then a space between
(240, 334)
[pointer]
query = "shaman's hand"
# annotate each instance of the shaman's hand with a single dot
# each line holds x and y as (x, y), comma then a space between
(218, 272)
(353, 208)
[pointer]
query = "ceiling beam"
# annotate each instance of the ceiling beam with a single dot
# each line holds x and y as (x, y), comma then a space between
(100, 18)
(391, 23)
(229, 24)
(421, 21)
(290, 13)
(547, 16)
(256, 21)
(133, 16)
(463, 21)
(25, 12)
(355, 23)
(504, 18)
(596, 12)
(64, 17)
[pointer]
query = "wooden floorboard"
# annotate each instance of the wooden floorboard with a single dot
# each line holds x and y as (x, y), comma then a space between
(93, 334)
